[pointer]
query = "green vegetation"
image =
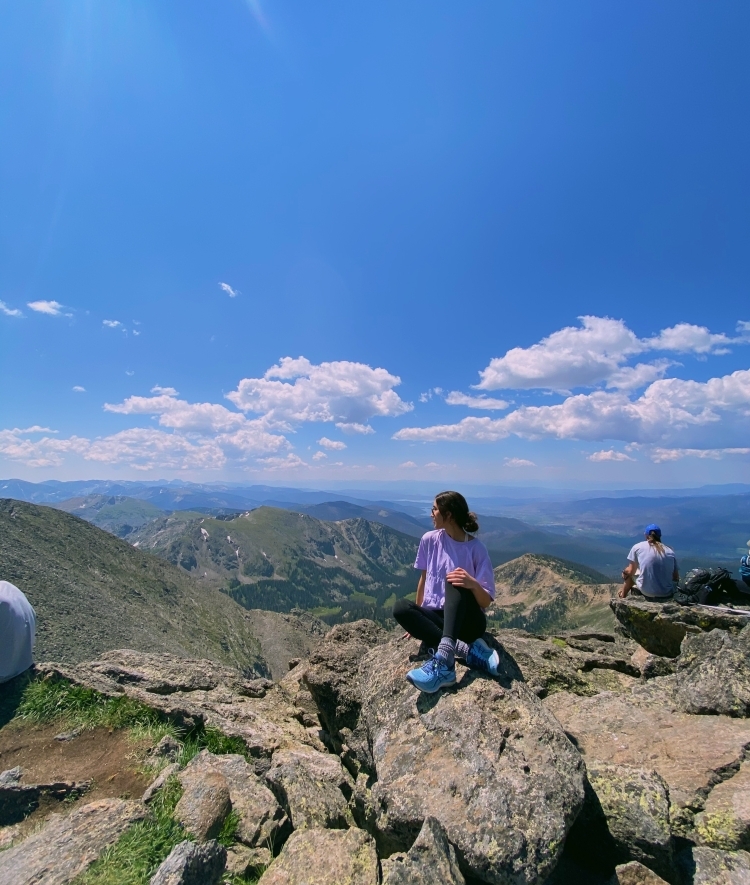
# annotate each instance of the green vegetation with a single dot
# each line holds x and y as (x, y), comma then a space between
(117, 514)
(137, 854)
(228, 834)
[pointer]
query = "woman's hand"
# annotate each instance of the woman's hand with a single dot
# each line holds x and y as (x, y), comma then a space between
(461, 578)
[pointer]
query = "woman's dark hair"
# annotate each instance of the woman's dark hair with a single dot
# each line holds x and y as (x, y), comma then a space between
(454, 503)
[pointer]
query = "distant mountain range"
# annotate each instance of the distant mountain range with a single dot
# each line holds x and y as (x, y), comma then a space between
(545, 594)
(280, 560)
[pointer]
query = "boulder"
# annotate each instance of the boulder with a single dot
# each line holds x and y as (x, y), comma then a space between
(691, 753)
(651, 665)
(485, 759)
(313, 787)
(325, 857)
(725, 821)
(431, 859)
(626, 818)
(66, 846)
(191, 864)
(243, 861)
(661, 627)
(713, 674)
(634, 873)
(262, 822)
(707, 866)
(204, 805)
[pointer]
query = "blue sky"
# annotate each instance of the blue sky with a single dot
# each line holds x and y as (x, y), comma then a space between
(304, 242)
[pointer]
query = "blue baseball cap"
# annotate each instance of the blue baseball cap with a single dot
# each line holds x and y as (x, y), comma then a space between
(652, 528)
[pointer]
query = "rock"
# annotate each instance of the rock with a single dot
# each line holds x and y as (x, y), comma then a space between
(195, 692)
(431, 859)
(192, 864)
(651, 665)
(156, 785)
(68, 735)
(168, 748)
(691, 753)
(11, 776)
(18, 800)
(485, 759)
(204, 805)
(244, 861)
(626, 818)
(262, 820)
(713, 674)
(707, 866)
(292, 663)
(725, 822)
(635, 873)
(583, 666)
(660, 628)
(313, 788)
(8, 836)
(66, 846)
(325, 857)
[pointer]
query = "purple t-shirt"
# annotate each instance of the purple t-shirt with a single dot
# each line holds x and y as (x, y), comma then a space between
(439, 554)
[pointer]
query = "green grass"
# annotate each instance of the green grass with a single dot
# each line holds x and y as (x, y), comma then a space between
(228, 835)
(76, 707)
(136, 855)
(358, 596)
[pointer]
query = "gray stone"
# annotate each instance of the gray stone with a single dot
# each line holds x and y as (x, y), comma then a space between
(650, 665)
(707, 866)
(691, 753)
(325, 857)
(66, 846)
(153, 788)
(725, 821)
(204, 805)
(431, 859)
(485, 759)
(168, 748)
(313, 787)
(626, 818)
(192, 864)
(18, 800)
(65, 736)
(262, 820)
(11, 776)
(8, 835)
(634, 873)
(660, 628)
(244, 861)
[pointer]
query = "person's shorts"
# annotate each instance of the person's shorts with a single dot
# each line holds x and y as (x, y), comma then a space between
(636, 592)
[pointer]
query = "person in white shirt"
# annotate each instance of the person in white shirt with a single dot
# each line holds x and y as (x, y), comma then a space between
(17, 632)
(652, 568)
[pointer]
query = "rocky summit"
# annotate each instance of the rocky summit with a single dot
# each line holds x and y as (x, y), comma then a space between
(590, 758)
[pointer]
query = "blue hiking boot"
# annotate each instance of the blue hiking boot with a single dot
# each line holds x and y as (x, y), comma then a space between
(482, 657)
(432, 676)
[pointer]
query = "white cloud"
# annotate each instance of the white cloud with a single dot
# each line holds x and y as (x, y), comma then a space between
(145, 449)
(52, 308)
(571, 357)
(289, 462)
(743, 328)
(345, 393)
(428, 394)
(686, 338)
(79, 389)
(319, 456)
(136, 332)
(701, 415)
(233, 293)
(44, 452)
(635, 377)
(660, 455)
(455, 398)
(596, 352)
(609, 455)
(518, 462)
(333, 445)
(408, 465)
(129, 373)
(165, 391)
(9, 311)
(364, 429)
(111, 324)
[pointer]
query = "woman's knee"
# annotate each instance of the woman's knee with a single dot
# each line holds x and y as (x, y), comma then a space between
(402, 607)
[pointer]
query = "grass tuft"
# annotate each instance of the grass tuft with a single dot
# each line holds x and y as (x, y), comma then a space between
(136, 855)
(228, 834)
(77, 707)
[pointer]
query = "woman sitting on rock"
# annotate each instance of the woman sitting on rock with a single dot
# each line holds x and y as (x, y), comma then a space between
(651, 569)
(455, 587)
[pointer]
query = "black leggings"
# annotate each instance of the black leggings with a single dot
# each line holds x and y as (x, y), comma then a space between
(462, 618)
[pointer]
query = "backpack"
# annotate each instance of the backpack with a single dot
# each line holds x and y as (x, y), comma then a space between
(706, 586)
(745, 568)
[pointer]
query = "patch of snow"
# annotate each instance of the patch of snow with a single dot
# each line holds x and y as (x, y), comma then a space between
(205, 534)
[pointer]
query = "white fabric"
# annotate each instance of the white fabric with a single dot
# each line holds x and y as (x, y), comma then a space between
(654, 570)
(439, 554)
(17, 632)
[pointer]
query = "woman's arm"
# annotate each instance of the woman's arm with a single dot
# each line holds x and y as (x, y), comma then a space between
(420, 587)
(461, 578)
